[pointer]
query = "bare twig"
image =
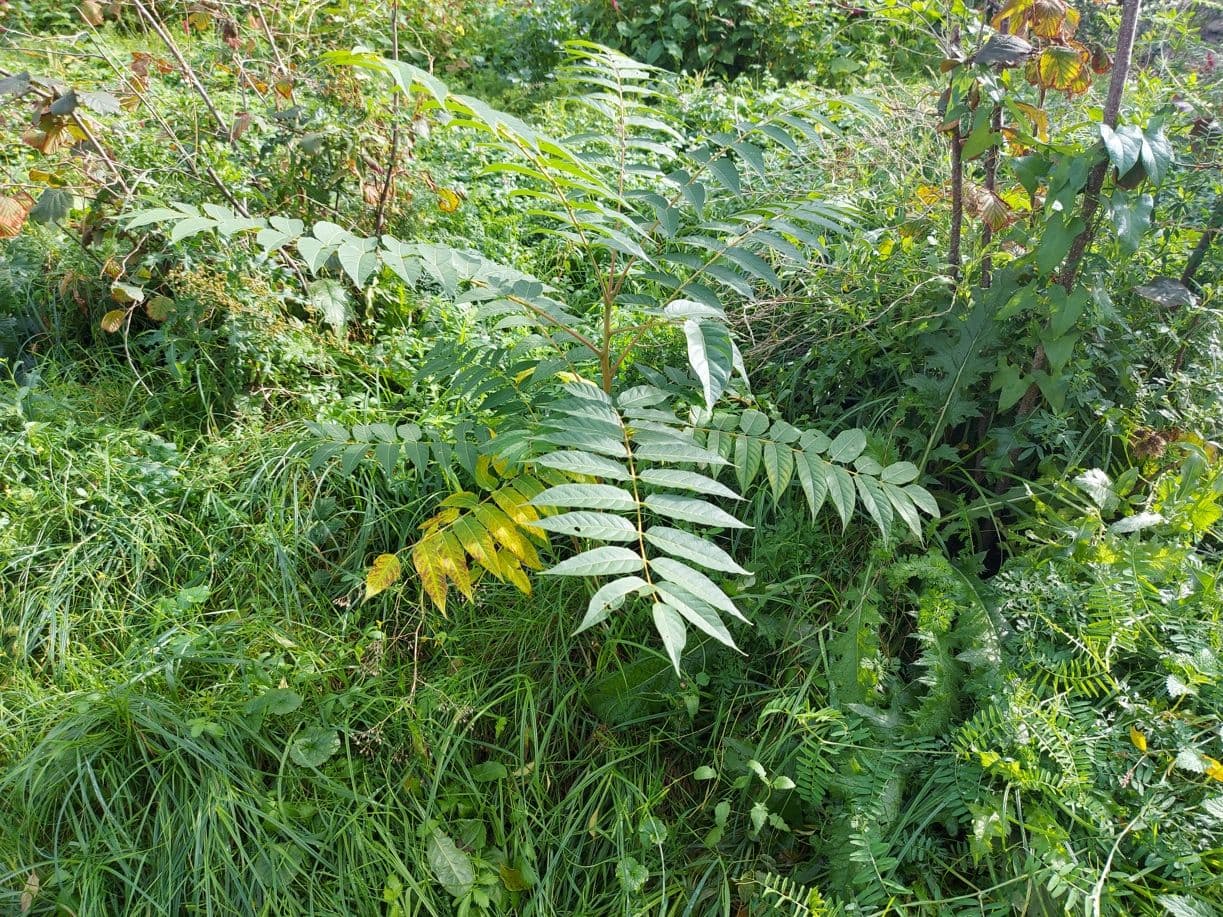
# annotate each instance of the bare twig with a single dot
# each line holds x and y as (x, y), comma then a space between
(188, 71)
(1095, 182)
(388, 181)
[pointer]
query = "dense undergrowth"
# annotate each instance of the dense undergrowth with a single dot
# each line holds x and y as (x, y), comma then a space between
(293, 338)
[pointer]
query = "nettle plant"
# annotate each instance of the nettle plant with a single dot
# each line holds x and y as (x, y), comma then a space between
(560, 426)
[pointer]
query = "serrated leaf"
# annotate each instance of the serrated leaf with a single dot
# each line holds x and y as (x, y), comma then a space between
(695, 582)
(688, 509)
(425, 560)
(608, 599)
(382, 574)
(586, 496)
(599, 526)
(671, 628)
(694, 548)
(604, 561)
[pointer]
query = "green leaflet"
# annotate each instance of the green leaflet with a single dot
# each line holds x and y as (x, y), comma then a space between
(924, 500)
(586, 496)
(679, 543)
(811, 479)
(875, 502)
(748, 454)
(603, 561)
(687, 509)
(899, 473)
(840, 490)
(671, 628)
(608, 599)
(848, 445)
(697, 613)
(905, 509)
(584, 463)
(778, 468)
(711, 354)
(687, 480)
(695, 582)
(599, 526)
(676, 451)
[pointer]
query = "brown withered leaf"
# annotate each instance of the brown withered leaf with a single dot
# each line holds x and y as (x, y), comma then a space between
(12, 217)
(92, 12)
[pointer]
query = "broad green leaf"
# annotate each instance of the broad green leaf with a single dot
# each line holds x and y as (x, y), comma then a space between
(586, 496)
(584, 463)
(694, 548)
(586, 441)
(687, 509)
(711, 356)
(671, 628)
(599, 526)
(450, 866)
(695, 582)
(847, 446)
(687, 480)
(312, 747)
(1131, 217)
(1157, 154)
(274, 702)
(1123, 146)
(727, 173)
(190, 227)
(357, 261)
(331, 300)
(608, 599)
(703, 617)
(605, 561)
(641, 396)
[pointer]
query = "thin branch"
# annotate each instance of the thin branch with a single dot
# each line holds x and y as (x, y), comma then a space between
(188, 72)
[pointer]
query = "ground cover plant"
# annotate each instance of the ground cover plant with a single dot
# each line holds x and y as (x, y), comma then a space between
(694, 458)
